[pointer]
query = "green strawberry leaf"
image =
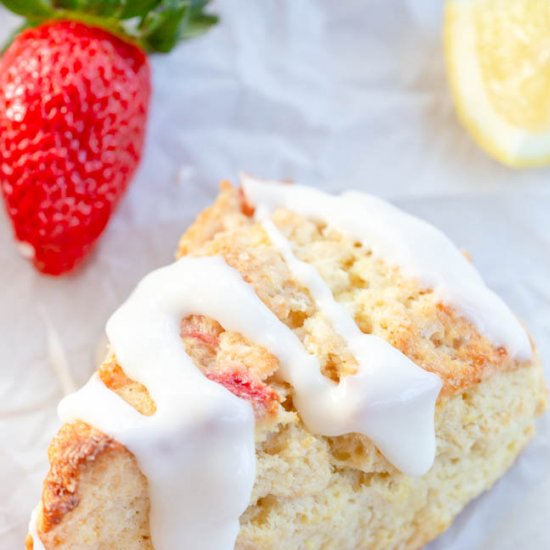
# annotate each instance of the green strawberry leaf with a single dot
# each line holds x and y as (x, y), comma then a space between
(174, 20)
(137, 8)
(160, 29)
(67, 4)
(32, 9)
(199, 22)
(155, 25)
(92, 7)
(122, 9)
(198, 25)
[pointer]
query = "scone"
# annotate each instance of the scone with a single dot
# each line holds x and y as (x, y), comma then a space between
(314, 372)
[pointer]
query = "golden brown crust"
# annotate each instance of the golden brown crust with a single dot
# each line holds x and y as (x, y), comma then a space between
(132, 392)
(478, 358)
(209, 222)
(74, 447)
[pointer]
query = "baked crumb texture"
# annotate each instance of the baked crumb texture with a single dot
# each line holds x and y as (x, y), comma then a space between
(311, 492)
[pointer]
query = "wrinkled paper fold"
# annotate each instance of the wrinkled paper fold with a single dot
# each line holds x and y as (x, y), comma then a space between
(334, 94)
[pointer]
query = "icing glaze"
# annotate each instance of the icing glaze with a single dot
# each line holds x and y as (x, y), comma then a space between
(197, 450)
(389, 399)
(418, 248)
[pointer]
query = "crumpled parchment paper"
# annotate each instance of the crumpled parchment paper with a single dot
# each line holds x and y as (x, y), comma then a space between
(333, 94)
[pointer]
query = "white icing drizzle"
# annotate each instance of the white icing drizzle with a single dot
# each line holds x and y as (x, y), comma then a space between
(389, 399)
(33, 532)
(418, 248)
(197, 450)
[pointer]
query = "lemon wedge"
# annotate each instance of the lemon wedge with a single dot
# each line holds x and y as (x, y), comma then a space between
(498, 62)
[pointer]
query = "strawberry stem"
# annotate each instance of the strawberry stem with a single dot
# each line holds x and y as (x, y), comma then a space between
(154, 25)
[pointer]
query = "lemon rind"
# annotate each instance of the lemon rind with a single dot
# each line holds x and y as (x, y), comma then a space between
(508, 144)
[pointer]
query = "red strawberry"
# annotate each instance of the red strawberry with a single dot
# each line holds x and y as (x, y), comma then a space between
(73, 109)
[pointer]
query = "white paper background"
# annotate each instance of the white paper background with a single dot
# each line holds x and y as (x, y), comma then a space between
(335, 94)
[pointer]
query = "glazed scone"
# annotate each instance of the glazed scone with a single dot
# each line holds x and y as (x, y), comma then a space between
(309, 491)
